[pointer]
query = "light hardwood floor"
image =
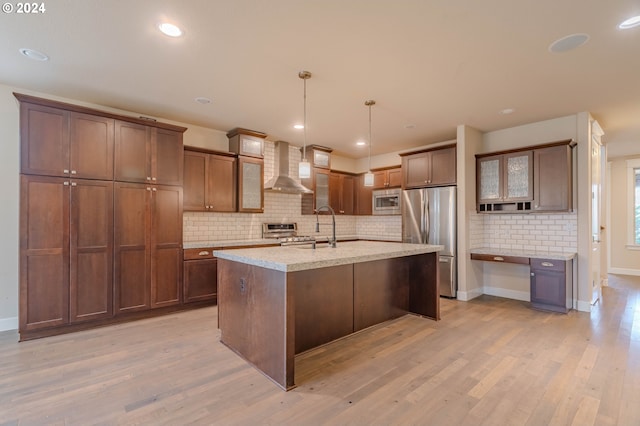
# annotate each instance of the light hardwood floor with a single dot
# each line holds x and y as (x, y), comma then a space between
(490, 361)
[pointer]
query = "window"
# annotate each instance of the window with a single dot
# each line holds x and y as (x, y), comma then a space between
(633, 200)
(636, 222)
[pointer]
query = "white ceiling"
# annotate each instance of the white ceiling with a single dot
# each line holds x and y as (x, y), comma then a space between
(430, 64)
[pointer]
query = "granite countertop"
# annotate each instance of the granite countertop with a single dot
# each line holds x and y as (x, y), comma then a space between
(524, 253)
(303, 257)
(270, 241)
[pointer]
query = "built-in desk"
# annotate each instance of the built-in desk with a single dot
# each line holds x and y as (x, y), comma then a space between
(551, 275)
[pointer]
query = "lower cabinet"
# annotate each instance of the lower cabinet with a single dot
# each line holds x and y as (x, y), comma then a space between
(551, 284)
(200, 275)
(65, 251)
(148, 246)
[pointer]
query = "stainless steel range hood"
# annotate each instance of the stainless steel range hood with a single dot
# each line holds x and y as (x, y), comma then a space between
(282, 182)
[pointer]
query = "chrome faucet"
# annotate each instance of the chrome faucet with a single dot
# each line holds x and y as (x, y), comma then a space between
(332, 241)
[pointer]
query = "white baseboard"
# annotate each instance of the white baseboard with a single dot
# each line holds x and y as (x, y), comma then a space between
(465, 296)
(625, 271)
(584, 306)
(508, 294)
(8, 324)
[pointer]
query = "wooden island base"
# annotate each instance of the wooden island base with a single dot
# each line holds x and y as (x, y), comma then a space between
(268, 316)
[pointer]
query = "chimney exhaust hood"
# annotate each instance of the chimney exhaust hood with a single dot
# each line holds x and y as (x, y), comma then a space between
(282, 182)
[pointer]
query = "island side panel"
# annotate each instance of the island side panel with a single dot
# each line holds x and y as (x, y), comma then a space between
(323, 305)
(424, 296)
(381, 291)
(255, 317)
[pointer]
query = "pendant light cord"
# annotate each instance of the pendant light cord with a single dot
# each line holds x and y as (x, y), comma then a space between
(370, 136)
(304, 118)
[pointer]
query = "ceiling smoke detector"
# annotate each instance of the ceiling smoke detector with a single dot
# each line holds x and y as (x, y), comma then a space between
(34, 54)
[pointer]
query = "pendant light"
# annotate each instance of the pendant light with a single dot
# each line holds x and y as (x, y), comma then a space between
(304, 168)
(368, 177)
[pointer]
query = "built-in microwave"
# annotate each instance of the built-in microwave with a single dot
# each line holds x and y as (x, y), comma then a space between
(387, 201)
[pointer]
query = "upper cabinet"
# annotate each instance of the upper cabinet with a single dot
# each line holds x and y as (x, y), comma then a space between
(319, 184)
(247, 142)
(249, 145)
(387, 178)
(148, 154)
(434, 167)
(210, 181)
(342, 192)
(318, 156)
(530, 179)
(58, 142)
(505, 177)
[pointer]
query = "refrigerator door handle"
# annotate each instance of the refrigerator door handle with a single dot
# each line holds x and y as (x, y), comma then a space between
(425, 217)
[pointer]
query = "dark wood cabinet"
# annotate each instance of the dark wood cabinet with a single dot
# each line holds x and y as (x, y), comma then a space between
(552, 179)
(318, 156)
(319, 184)
(247, 143)
(210, 181)
(148, 246)
(147, 154)
(551, 284)
(250, 184)
(364, 197)
(434, 167)
(63, 143)
(387, 178)
(80, 233)
(65, 251)
(342, 193)
(200, 275)
(524, 180)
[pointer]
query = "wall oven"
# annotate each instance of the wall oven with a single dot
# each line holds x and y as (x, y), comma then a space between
(386, 201)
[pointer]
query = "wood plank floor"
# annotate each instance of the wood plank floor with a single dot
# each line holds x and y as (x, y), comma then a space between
(490, 361)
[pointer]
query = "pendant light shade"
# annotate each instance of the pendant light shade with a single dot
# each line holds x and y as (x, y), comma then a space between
(304, 168)
(368, 177)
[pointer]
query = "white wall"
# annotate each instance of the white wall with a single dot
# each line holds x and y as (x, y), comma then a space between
(9, 176)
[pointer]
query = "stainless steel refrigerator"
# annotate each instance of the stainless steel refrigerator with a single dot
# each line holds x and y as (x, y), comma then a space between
(429, 217)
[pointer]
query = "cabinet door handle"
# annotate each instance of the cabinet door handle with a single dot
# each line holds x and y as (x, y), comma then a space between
(533, 274)
(154, 179)
(148, 178)
(74, 184)
(148, 189)
(65, 183)
(73, 172)
(547, 264)
(154, 189)
(498, 258)
(203, 253)
(65, 171)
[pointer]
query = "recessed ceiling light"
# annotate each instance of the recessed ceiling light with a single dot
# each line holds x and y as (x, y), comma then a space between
(298, 126)
(170, 29)
(630, 23)
(569, 42)
(34, 54)
(202, 100)
(507, 111)
(361, 143)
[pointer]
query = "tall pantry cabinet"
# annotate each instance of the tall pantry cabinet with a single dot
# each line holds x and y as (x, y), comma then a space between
(72, 207)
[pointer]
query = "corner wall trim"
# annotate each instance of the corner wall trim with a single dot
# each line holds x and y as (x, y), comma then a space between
(7, 324)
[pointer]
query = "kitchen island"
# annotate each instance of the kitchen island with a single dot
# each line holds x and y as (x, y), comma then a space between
(276, 302)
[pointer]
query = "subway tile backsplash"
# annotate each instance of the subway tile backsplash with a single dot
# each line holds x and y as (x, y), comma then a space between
(532, 232)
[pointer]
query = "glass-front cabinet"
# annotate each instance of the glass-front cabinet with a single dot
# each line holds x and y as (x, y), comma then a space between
(250, 183)
(505, 178)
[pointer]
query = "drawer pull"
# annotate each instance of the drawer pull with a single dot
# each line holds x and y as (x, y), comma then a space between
(203, 253)
(547, 264)
(498, 258)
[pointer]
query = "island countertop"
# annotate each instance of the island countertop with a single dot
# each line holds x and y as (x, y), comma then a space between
(303, 257)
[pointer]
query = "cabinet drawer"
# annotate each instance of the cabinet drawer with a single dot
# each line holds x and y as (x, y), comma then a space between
(501, 259)
(198, 253)
(548, 264)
